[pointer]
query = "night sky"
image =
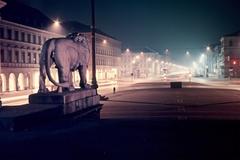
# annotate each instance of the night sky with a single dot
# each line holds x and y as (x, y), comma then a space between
(178, 25)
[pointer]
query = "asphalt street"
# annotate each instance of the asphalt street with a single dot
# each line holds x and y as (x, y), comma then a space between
(142, 121)
(154, 100)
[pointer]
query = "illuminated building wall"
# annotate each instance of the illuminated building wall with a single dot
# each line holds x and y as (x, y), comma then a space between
(230, 48)
(20, 47)
(140, 64)
(19, 55)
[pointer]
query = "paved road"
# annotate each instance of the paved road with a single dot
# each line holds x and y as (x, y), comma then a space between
(157, 100)
(145, 121)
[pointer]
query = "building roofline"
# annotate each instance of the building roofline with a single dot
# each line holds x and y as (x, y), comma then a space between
(31, 28)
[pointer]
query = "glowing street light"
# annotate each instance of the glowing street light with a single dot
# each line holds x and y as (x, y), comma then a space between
(194, 65)
(208, 48)
(127, 50)
(141, 53)
(187, 53)
(137, 57)
(133, 62)
(56, 23)
(149, 59)
(201, 60)
(104, 41)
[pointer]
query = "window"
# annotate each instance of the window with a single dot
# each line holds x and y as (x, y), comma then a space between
(29, 57)
(1, 32)
(16, 56)
(23, 37)
(35, 58)
(29, 38)
(9, 34)
(230, 43)
(9, 56)
(23, 57)
(34, 39)
(2, 55)
(16, 35)
(39, 40)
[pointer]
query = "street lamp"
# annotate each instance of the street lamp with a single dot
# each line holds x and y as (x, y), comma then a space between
(127, 50)
(94, 79)
(56, 23)
(208, 60)
(104, 41)
(187, 53)
(234, 62)
(208, 48)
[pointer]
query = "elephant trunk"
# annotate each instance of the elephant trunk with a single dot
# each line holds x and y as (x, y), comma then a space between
(50, 50)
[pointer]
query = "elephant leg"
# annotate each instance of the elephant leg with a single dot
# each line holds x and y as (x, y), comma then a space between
(42, 78)
(64, 77)
(83, 78)
(71, 87)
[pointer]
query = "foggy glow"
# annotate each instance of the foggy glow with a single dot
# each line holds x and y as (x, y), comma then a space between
(56, 23)
(104, 41)
(208, 48)
(201, 60)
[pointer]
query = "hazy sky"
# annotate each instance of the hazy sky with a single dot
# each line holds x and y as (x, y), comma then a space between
(178, 25)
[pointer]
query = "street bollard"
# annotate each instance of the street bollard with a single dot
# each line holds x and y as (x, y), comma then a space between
(114, 90)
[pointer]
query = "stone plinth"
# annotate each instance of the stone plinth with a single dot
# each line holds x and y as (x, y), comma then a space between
(70, 102)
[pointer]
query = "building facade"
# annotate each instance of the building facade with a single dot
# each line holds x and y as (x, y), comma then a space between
(230, 56)
(20, 47)
(143, 64)
(19, 55)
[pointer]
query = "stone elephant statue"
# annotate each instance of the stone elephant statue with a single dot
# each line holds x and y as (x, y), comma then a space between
(69, 54)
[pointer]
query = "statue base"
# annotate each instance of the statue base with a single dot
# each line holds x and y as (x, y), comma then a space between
(69, 102)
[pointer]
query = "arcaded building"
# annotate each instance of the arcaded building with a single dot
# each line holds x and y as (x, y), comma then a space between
(23, 30)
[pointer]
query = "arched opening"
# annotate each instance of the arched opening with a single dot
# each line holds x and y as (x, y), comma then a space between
(12, 82)
(3, 83)
(20, 84)
(27, 85)
(35, 80)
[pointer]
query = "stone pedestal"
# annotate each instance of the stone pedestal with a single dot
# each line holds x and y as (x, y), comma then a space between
(69, 102)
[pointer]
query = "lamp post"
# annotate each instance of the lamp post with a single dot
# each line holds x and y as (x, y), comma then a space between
(94, 79)
(208, 49)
